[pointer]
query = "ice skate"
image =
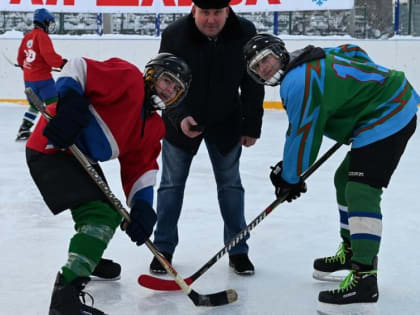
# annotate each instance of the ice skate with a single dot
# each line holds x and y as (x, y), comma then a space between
(106, 270)
(24, 131)
(69, 299)
(357, 295)
(326, 269)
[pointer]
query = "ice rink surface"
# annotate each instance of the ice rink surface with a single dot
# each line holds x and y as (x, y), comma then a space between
(34, 243)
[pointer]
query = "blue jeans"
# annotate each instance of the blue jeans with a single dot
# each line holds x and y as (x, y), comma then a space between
(175, 168)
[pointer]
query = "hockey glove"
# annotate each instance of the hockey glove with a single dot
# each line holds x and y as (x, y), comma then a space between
(283, 188)
(72, 116)
(64, 63)
(143, 219)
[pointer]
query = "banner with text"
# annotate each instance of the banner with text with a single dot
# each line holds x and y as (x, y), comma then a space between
(168, 6)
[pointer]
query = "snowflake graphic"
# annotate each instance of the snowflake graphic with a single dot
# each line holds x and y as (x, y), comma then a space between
(319, 2)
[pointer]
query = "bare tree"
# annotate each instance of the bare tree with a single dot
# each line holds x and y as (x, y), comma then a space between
(378, 16)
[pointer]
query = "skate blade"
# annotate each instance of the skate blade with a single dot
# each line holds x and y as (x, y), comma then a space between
(95, 278)
(328, 276)
(19, 139)
(348, 309)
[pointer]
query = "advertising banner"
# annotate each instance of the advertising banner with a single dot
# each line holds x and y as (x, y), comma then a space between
(168, 6)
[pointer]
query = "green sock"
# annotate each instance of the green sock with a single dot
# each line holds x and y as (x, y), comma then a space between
(95, 223)
(365, 221)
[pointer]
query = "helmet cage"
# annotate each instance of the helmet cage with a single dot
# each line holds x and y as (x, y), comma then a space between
(253, 66)
(158, 103)
(173, 67)
(258, 48)
(51, 27)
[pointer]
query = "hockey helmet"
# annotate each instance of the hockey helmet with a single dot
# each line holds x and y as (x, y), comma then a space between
(174, 68)
(44, 19)
(260, 46)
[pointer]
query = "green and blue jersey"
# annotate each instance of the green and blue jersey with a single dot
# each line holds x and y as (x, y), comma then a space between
(346, 97)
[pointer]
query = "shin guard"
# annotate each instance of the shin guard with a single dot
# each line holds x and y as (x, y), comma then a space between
(365, 221)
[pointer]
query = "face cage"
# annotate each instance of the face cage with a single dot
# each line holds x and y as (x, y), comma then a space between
(275, 79)
(158, 103)
(51, 27)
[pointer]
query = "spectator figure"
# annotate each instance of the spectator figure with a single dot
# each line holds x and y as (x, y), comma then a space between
(224, 108)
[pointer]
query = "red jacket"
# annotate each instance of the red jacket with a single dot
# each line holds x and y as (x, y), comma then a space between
(37, 56)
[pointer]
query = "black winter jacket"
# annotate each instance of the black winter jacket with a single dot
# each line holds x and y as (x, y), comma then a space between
(222, 96)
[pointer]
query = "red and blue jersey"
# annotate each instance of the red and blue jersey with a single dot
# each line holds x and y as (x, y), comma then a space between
(117, 128)
(37, 56)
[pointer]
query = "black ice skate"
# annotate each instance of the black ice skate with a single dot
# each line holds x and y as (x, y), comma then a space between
(357, 294)
(106, 270)
(70, 299)
(156, 267)
(325, 267)
(241, 264)
(24, 131)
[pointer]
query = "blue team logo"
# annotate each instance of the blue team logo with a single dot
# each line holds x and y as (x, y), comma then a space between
(319, 2)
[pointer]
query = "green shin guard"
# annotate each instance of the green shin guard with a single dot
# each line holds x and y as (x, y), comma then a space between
(365, 221)
(95, 223)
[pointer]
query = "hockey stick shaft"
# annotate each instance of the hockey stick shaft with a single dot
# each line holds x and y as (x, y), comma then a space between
(220, 298)
(19, 66)
(10, 61)
(168, 285)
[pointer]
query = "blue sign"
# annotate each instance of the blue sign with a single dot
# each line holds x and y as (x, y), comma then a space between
(319, 2)
(99, 24)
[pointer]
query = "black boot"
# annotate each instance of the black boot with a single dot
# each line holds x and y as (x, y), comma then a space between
(241, 264)
(107, 270)
(69, 299)
(24, 131)
(324, 267)
(156, 267)
(357, 292)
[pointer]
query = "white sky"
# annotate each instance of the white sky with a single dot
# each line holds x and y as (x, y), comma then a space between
(34, 243)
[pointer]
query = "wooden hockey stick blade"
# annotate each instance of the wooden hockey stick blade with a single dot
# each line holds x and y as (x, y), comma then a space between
(215, 299)
(160, 284)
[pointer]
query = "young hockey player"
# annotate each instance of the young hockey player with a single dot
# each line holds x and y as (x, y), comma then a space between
(108, 110)
(36, 57)
(342, 94)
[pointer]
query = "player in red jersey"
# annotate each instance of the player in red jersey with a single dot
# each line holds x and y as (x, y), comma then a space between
(108, 109)
(37, 57)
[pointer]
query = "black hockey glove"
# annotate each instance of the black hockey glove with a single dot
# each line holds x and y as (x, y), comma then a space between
(72, 116)
(292, 191)
(143, 219)
(64, 63)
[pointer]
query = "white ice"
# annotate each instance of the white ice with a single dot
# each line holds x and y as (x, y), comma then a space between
(33, 242)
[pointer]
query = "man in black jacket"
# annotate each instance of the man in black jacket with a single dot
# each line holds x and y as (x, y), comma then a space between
(223, 107)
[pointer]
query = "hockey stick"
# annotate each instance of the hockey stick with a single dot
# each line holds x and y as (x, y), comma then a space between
(10, 61)
(19, 66)
(155, 283)
(215, 299)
